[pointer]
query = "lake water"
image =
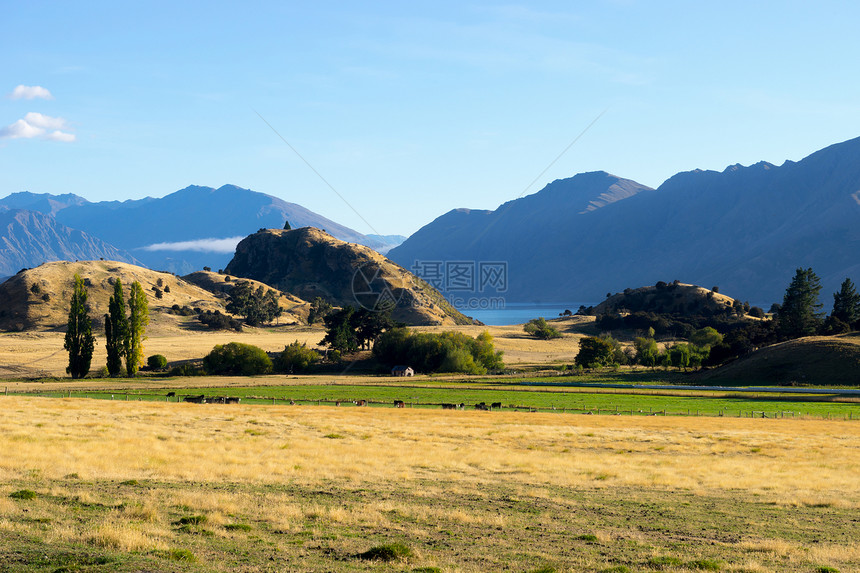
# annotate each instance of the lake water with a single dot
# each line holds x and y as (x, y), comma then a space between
(522, 312)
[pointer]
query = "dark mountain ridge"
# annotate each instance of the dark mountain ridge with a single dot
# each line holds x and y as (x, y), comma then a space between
(745, 229)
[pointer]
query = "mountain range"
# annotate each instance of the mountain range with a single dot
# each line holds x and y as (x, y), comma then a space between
(745, 229)
(181, 232)
(29, 238)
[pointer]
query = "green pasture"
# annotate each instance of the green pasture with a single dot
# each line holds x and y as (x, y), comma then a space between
(514, 397)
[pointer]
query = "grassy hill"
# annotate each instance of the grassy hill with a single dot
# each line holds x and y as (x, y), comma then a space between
(672, 298)
(39, 298)
(820, 360)
(220, 285)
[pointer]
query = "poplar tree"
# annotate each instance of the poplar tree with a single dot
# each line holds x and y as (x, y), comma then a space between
(138, 319)
(116, 330)
(79, 340)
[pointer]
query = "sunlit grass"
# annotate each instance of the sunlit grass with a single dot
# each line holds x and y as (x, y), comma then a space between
(139, 469)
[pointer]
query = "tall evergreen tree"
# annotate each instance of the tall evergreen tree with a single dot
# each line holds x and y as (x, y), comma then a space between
(79, 340)
(137, 321)
(800, 313)
(116, 330)
(846, 303)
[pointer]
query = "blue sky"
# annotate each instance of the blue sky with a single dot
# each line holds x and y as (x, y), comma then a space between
(407, 109)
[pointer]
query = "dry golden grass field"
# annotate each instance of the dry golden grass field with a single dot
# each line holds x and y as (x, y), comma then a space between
(89, 485)
(40, 353)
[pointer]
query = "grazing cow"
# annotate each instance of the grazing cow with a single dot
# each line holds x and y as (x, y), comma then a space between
(360, 402)
(399, 404)
(461, 406)
(482, 406)
(233, 400)
(495, 405)
(201, 399)
(171, 394)
(292, 402)
(337, 403)
(449, 406)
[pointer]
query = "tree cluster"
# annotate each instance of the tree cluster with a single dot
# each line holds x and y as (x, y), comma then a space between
(218, 321)
(602, 351)
(237, 359)
(258, 306)
(296, 357)
(348, 329)
(124, 335)
(442, 352)
(320, 308)
(539, 328)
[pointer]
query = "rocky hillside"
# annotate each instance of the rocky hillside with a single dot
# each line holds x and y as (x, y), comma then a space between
(39, 298)
(308, 263)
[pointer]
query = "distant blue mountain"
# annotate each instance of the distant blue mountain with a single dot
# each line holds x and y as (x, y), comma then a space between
(186, 230)
(30, 238)
(745, 229)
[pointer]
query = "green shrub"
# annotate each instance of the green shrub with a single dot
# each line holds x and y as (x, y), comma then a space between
(826, 569)
(388, 552)
(539, 328)
(156, 362)
(442, 352)
(23, 494)
(296, 357)
(237, 359)
(186, 370)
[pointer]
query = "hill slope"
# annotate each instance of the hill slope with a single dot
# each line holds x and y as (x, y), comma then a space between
(308, 262)
(745, 229)
(39, 298)
(820, 360)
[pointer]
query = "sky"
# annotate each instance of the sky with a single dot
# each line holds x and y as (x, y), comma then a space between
(383, 116)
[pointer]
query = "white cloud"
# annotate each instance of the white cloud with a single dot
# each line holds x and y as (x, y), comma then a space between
(60, 136)
(37, 125)
(30, 92)
(226, 245)
(20, 130)
(44, 121)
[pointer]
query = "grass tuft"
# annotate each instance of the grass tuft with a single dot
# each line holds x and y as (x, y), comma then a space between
(23, 494)
(237, 527)
(664, 561)
(705, 565)
(190, 520)
(388, 552)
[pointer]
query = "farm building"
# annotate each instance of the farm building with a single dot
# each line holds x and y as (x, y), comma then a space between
(402, 371)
